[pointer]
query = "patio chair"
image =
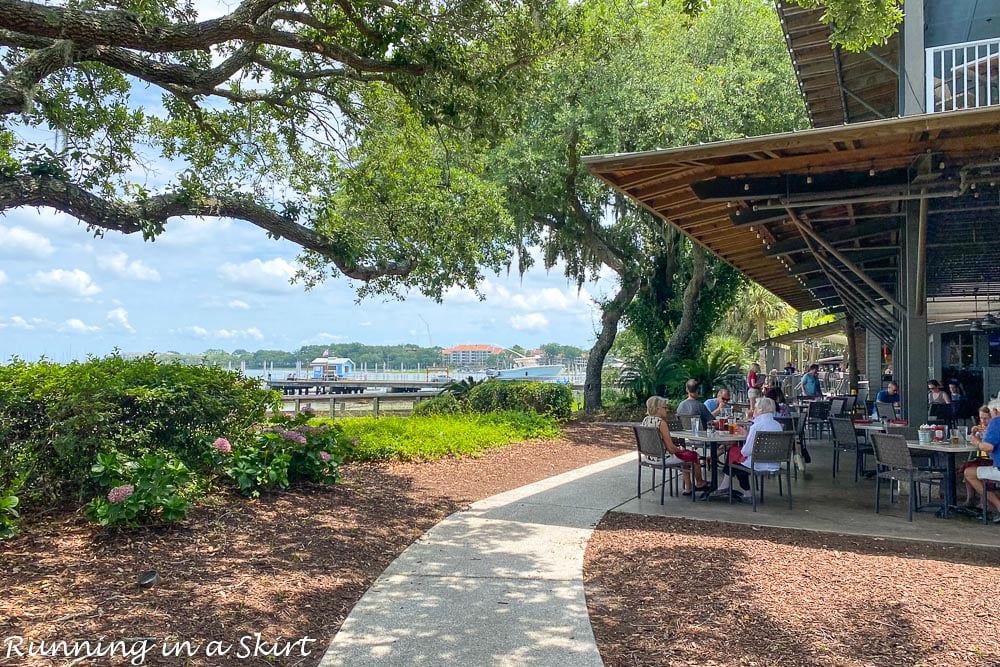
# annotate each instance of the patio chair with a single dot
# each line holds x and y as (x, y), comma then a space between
(939, 414)
(885, 410)
(768, 447)
(816, 418)
(653, 454)
(846, 438)
(837, 406)
(988, 485)
(894, 463)
(850, 403)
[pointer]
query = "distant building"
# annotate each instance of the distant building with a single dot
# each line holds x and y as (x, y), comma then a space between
(469, 355)
(329, 368)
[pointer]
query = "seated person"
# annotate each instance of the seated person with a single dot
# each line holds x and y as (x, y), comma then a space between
(889, 395)
(976, 459)
(718, 404)
(691, 406)
(763, 420)
(789, 369)
(990, 443)
(656, 414)
(936, 394)
(773, 390)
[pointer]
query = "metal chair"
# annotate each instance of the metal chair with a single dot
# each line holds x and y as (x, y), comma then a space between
(846, 438)
(816, 417)
(885, 411)
(939, 413)
(768, 447)
(894, 463)
(653, 454)
(837, 406)
(988, 485)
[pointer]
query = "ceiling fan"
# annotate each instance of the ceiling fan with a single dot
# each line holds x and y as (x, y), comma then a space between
(984, 324)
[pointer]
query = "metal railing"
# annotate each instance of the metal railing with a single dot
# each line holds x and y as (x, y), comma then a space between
(963, 76)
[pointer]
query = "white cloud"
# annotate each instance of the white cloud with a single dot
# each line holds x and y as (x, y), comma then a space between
(19, 322)
(366, 323)
(191, 232)
(529, 322)
(222, 334)
(323, 339)
(119, 316)
(238, 305)
(119, 265)
(3, 277)
(260, 276)
(75, 282)
(77, 326)
(18, 241)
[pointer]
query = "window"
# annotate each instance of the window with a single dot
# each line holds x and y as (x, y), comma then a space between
(957, 350)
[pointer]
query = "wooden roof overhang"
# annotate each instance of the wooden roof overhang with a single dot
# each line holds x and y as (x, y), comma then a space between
(816, 216)
(839, 86)
(818, 331)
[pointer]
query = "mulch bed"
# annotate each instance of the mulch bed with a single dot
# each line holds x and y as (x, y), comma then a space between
(288, 565)
(664, 591)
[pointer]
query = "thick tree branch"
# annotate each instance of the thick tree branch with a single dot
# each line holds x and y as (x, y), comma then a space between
(152, 212)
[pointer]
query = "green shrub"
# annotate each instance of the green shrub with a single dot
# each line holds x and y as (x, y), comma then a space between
(438, 436)
(554, 400)
(445, 404)
(152, 489)
(9, 516)
(288, 451)
(58, 418)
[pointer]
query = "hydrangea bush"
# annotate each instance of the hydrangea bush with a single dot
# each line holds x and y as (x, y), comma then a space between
(287, 451)
(154, 488)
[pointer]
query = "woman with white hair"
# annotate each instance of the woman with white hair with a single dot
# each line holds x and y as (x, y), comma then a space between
(763, 420)
(990, 443)
(656, 413)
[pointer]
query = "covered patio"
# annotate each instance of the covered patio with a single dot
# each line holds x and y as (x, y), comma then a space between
(823, 503)
(891, 222)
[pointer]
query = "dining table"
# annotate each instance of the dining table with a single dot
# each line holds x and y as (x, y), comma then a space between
(950, 450)
(711, 440)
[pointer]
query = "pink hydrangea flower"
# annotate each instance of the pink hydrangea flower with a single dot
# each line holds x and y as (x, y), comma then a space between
(222, 445)
(325, 456)
(120, 493)
(294, 436)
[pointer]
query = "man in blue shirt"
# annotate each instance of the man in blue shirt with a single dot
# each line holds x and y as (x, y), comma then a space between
(718, 404)
(810, 383)
(990, 442)
(888, 395)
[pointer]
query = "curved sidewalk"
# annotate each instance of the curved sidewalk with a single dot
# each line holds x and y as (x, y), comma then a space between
(498, 584)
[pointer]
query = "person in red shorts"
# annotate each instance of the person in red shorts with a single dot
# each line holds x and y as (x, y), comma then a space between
(656, 416)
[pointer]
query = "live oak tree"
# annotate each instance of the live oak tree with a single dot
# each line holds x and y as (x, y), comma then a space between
(640, 78)
(352, 128)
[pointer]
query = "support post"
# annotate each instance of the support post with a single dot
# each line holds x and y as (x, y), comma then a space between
(912, 349)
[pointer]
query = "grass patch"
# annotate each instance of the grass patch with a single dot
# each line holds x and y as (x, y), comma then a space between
(438, 436)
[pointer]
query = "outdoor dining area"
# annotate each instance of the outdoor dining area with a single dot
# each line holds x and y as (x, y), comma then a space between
(837, 465)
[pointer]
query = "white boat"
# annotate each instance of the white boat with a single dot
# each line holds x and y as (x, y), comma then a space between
(530, 372)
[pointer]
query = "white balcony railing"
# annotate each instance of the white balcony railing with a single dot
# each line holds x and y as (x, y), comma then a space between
(963, 76)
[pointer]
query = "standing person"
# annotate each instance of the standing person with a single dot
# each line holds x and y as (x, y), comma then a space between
(718, 404)
(755, 382)
(810, 385)
(960, 408)
(656, 413)
(789, 368)
(990, 443)
(691, 406)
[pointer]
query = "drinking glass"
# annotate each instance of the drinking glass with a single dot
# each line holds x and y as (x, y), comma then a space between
(696, 424)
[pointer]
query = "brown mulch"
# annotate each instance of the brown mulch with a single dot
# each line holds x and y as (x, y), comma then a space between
(665, 591)
(287, 566)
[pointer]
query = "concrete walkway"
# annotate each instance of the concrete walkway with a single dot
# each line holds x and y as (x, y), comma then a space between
(498, 584)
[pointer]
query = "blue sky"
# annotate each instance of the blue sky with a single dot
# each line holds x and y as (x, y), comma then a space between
(223, 284)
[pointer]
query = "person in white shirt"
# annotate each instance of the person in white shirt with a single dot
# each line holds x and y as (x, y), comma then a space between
(763, 420)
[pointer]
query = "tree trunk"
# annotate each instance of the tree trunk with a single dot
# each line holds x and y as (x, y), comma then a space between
(698, 274)
(611, 314)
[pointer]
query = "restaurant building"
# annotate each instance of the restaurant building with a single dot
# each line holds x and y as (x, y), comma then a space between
(887, 210)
